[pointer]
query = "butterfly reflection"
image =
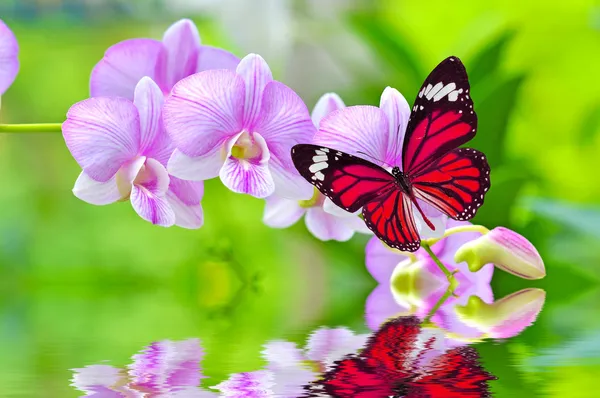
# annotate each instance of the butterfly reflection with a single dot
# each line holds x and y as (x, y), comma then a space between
(403, 359)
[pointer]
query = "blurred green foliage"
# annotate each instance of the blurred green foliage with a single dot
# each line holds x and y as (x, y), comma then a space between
(82, 284)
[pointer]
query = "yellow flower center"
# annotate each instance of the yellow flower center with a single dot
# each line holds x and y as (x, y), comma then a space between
(246, 147)
(316, 198)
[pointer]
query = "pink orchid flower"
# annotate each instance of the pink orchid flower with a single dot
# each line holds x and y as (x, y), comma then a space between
(9, 61)
(178, 55)
(323, 219)
(239, 126)
(413, 288)
(377, 132)
(123, 151)
(164, 369)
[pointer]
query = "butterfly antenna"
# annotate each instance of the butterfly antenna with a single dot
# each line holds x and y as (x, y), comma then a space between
(374, 158)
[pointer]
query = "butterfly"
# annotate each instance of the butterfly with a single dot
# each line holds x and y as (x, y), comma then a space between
(434, 169)
(401, 360)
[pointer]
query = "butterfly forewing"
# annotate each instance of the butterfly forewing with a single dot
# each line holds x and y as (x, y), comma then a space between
(442, 116)
(349, 181)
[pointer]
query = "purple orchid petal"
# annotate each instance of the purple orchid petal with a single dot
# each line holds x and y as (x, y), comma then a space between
(9, 61)
(256, 384)
(191, 392)
(356, 129)
(166, 365)
(437, 218)
(102, 134)
(325, 227)
(337, 211)
(216, 58)
(148, 99)
(182, 44)
(249, 176)
(357, 224)
(381, 260)
(94, 192)
(282, 354)
(325, 105)
(198, 168)
(281, 212)
(397, 110)
(123, 65)
(381, 306)
(329, 345)
(184, 198)
(284, 121)
(256, 74)
(127, 174)
(148, 197)
(98, 381)
(203, 110)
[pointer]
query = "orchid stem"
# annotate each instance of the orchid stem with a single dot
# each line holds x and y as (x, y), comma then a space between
(31, 128)
(439, 303)
(456, 230)
(436, 260)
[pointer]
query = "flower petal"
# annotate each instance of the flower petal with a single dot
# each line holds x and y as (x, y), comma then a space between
(357, 224)
(255, 384)
(123, 65)
(182, 44)
(94, 192)
(281, 212)
(324, 226)
(197, 168)
(437, 218)
(148, 99)
(381, 306)
(256, 75)
(102, 134)
(289, 184)
(9, 61)
(282, 354)
(249, 176)
(216, 58)
(337, 211)
(149, 198)
(328, 103)
(356, 129)
(381, 260)
(397, 110)
(203, 110)
(185, 197)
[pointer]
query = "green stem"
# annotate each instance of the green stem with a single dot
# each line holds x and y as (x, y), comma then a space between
(436, 260)
(31, 128)
(439, 303)
(465, 228)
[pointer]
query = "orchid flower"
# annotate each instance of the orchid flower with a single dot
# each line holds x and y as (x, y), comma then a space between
(178, 55)
(377, 132)
(323, 219)
(164, 369)
(9, 61)
(239, 126)
(123, 151)
(507, 250)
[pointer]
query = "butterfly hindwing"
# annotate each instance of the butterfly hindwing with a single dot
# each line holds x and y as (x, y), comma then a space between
(442, 116)
(349, 181)
(455, 184)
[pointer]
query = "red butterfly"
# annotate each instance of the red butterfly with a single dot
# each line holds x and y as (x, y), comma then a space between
(398, 361)
(451, 179)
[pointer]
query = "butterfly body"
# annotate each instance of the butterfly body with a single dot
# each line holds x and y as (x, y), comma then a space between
(434, 170)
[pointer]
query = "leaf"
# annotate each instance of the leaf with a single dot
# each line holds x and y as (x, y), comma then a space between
(486, 62)
(580, 219)
(590, 126)
(494, 107)
(392, 49)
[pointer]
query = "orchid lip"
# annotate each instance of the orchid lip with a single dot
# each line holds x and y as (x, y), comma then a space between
(246, 147)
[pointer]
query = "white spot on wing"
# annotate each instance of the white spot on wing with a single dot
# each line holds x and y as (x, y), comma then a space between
(314, 168)
(320, 158)
(319, 176)
(453, 96)
(434, 90)
(444, 91)
(427, 89)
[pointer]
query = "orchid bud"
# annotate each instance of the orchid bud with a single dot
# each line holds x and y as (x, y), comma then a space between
(505, 249)
(506, 317)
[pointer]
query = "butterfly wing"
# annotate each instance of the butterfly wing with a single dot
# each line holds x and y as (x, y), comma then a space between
(455, 183)
(349, 181)
(351, 377)
(455, 374)
(442, 117)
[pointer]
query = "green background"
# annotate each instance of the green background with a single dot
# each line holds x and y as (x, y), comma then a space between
(81, 284)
